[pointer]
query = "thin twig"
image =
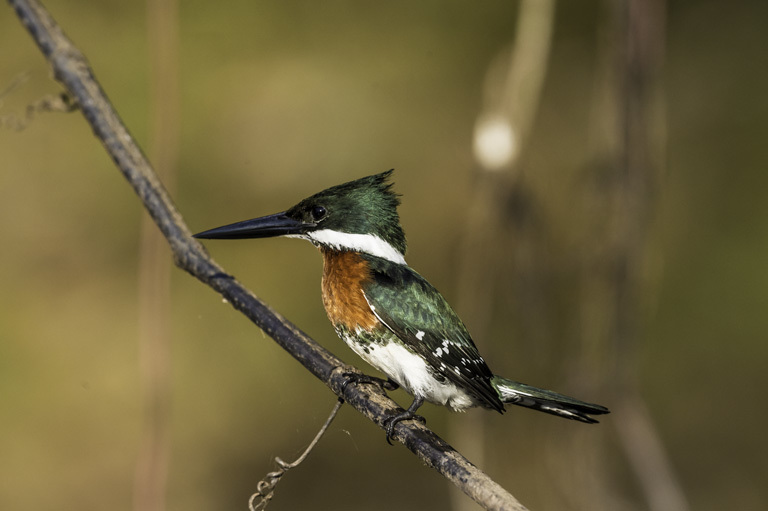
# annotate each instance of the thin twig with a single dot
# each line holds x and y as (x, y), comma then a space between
(266, 487)
(72, 70)
(61, 102)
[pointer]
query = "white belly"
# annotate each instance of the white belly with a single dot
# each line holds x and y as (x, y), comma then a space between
(411, 372)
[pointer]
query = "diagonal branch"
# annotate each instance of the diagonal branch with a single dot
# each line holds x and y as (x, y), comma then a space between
(72, 70)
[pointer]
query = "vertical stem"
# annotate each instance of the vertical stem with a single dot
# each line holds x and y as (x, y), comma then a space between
(641, 158)
(512, 99)
(629, 152)
(154, 265)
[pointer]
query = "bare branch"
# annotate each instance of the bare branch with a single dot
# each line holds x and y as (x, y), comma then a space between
(72, 70)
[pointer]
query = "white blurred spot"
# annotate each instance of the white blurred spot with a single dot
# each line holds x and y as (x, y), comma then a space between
(495, 143)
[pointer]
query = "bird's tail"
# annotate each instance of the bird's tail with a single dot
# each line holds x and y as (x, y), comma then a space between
(546, 401)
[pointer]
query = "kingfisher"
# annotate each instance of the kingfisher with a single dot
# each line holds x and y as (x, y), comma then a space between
(387, 313)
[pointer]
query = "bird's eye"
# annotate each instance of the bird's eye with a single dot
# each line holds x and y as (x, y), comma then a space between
(318, 213)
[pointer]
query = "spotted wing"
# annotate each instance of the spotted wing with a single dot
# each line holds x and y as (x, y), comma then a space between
(418, 314)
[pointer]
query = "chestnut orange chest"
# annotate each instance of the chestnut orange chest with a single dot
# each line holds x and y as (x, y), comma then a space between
(344, 276)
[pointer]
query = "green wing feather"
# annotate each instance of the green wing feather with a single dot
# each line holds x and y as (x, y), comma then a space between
(418, 314)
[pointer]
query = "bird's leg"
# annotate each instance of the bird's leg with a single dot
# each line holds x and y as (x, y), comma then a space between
(352, 377)
(409, 414)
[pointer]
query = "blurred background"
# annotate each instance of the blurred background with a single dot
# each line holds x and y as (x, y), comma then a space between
(584, 181)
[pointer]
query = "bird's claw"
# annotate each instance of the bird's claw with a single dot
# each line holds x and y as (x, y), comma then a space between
(353, 377)
(391, 422)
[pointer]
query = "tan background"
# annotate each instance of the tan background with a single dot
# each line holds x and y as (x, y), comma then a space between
(278, 100)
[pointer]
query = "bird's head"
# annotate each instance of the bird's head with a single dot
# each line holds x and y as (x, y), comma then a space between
(360, 215)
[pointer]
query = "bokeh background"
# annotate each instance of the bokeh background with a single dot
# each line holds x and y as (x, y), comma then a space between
(587, 185)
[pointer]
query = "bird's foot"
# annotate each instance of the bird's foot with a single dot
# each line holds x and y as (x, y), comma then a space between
(409, 414)
(356, 378)
(392, 422)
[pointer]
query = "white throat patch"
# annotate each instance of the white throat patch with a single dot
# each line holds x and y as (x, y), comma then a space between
(368, 243)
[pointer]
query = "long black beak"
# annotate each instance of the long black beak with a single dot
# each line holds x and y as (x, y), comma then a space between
(278, 224)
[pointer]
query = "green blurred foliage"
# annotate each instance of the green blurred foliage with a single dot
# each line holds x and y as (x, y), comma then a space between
(281, 99)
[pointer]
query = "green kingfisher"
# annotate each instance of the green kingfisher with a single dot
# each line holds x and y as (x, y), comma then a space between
(386, 312)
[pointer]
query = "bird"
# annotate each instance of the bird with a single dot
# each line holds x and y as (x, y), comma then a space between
(390, 315)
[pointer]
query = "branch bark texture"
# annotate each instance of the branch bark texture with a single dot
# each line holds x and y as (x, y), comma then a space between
(71, 69)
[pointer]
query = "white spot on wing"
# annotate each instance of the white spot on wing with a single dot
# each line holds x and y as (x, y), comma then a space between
(419, 334)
